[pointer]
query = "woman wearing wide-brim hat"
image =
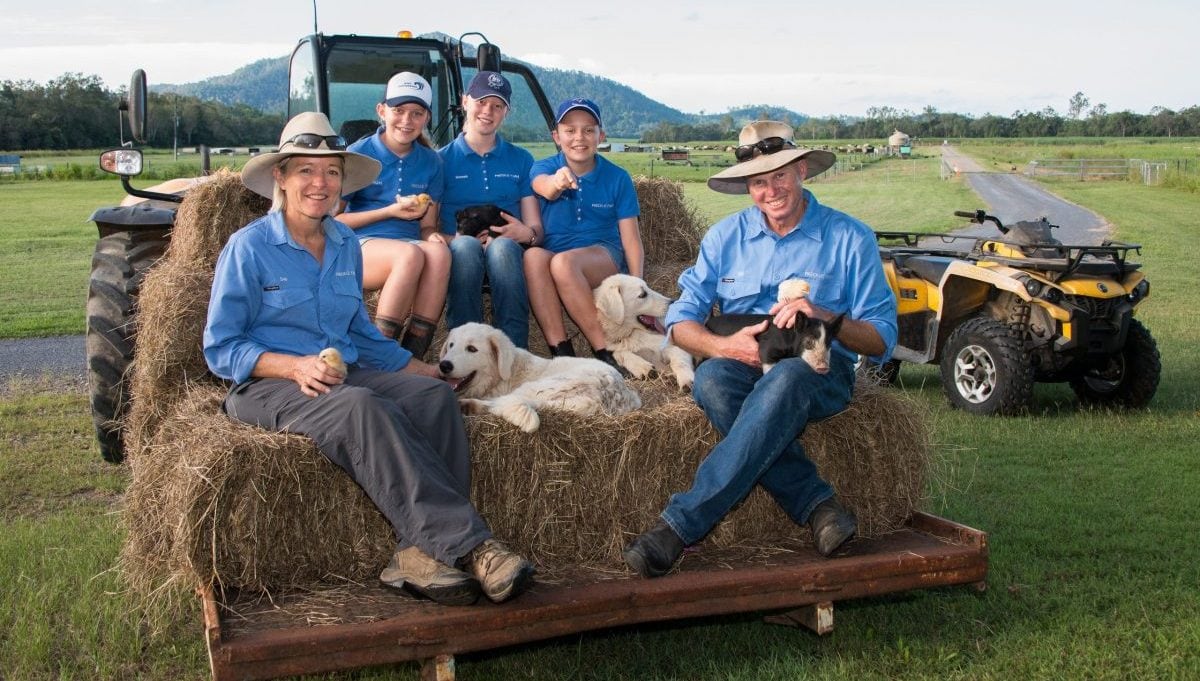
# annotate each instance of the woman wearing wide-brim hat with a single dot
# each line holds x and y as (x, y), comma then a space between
(286, 292)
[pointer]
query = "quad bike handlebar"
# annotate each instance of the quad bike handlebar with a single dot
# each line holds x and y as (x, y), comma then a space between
(980, 216)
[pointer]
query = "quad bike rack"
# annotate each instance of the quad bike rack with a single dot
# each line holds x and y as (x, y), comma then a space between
(256, 640)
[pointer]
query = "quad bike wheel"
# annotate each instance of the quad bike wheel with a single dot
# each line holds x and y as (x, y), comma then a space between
(1128, 379)
(985, 370)
(119, 263)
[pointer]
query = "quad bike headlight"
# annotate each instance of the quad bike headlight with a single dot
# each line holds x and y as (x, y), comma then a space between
(1140, 291)
(1033, 287)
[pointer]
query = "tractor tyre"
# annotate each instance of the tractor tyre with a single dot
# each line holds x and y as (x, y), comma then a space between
(1129, 379)
(985, 370)
(118, 266)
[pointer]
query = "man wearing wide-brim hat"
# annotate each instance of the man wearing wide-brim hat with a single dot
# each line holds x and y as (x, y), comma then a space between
(786, 234)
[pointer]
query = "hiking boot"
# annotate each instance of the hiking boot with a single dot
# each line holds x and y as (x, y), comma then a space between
(654, 552)
(415, 571)
(562, 349)
(831, 526)
(607, 357)
(502, 573)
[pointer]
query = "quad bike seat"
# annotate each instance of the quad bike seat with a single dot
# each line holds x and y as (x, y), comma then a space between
(928, 267)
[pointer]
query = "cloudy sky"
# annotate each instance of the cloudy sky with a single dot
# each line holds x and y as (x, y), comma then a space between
(818, 58)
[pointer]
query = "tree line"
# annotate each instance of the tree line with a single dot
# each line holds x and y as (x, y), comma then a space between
(75, 111)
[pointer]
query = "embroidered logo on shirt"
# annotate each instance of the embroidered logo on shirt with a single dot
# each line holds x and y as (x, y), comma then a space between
(348, 273)
(727, 280)
(270, 288)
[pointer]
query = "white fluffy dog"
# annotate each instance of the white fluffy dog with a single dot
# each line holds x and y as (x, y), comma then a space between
(491, 375)
(626, 306)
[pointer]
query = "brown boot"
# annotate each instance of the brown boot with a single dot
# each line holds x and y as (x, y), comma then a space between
(502, 573)
(414, 570)
(418, 336)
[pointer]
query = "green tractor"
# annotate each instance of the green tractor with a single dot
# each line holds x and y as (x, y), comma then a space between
(341, 76)
(998, 314)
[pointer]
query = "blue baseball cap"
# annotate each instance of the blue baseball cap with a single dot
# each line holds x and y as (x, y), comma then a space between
(489, 84)
(578, 103)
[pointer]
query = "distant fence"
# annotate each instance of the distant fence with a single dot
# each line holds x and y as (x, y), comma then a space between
(1150, 172)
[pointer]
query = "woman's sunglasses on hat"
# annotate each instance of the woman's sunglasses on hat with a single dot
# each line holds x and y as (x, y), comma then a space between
(309, 140)
(768, 145)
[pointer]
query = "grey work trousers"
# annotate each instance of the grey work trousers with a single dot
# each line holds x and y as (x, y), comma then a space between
(399, 436)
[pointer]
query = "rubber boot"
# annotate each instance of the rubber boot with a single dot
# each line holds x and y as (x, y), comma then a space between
(390, 328)
(418, 336)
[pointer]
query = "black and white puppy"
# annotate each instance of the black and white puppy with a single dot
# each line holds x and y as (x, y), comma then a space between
(809, 339)
(472, 220)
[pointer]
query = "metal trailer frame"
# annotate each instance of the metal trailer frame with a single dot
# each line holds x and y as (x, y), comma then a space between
(929, 551)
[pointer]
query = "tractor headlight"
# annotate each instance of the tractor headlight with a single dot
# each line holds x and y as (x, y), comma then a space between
(1140, 291)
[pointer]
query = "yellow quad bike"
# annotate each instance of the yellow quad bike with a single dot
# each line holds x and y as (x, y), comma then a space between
(999, 314)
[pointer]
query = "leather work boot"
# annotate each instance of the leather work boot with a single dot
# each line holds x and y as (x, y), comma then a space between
(415, 571)
(653, 552)
(502, 573)
(831, 526)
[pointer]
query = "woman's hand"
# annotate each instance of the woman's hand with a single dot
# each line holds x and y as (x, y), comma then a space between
(314, 376)
(512, 228)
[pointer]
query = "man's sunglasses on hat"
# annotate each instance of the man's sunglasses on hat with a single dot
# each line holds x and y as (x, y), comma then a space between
(768, 145)
(310, 140)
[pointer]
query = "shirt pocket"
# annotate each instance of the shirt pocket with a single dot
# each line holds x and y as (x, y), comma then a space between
(731, 293)
(286, 298)
(347, 286)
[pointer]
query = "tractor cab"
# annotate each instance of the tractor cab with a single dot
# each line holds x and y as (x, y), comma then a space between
(344, 77)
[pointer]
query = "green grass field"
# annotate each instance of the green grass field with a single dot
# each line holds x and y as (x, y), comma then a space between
(1091, 515)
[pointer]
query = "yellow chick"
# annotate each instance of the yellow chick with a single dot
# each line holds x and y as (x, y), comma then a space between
(413, 201)
(333, 358)
(793, 289)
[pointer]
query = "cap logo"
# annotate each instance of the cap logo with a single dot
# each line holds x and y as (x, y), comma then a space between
(411, 86)
(495, 81)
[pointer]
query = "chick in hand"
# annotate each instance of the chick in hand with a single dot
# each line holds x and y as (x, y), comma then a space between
(333, 359)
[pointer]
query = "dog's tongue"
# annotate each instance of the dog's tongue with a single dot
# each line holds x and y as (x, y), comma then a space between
(652, 323)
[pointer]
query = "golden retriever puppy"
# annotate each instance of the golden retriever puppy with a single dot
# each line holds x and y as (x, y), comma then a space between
(630, 314)
(493, 376)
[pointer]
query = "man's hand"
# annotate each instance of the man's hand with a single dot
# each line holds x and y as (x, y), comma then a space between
(742, 345)
(785, 312)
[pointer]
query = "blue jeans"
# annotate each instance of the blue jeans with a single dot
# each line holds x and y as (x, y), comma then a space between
(761, 418)
(502, 262)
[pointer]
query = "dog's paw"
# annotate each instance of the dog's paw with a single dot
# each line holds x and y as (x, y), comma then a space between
(520, 414)
(635, 364)
(471, 406)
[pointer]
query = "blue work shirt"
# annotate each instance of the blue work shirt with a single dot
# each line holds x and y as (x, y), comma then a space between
(417, 172)
(501, 177)
(269, 294)
(589, 215)
(742, 263)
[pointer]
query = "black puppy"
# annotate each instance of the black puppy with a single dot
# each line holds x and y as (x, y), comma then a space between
(472, 220)
(810, 338)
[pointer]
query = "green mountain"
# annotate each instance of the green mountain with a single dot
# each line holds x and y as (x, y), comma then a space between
(627, 112)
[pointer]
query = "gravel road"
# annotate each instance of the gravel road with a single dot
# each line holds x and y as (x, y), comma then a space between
(1008, 196)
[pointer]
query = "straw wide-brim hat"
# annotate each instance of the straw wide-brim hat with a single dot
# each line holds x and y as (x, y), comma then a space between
(732, 180)
(359, 171)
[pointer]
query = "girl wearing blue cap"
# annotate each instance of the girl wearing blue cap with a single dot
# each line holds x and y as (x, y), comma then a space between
(396, 217)
(590, 216)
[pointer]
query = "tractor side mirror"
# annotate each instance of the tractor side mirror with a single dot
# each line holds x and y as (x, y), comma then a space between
(137, 107)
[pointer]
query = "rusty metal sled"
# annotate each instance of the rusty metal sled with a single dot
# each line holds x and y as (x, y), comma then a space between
(371, 625)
